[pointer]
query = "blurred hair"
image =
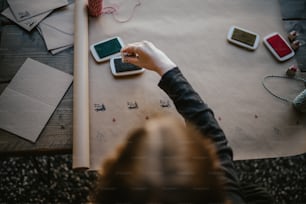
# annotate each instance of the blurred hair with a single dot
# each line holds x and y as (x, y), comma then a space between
(162, 162)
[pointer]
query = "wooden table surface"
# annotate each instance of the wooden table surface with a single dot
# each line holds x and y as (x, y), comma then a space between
(17, 44)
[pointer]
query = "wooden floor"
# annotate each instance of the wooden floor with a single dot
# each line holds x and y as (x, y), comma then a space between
(17, 44)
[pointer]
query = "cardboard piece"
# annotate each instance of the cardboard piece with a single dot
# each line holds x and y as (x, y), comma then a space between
(58, 29)
(31, 97)
(27, 24)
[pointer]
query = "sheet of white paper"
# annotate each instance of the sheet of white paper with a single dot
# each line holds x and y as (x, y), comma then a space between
(28, 8)
(57, 29)
(29, 100)
(27, 24)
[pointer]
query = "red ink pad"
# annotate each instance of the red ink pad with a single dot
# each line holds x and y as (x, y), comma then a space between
(278, 46)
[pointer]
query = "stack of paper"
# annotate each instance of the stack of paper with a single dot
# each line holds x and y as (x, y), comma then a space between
(58, 28)
(52, 18)
(31, 97)
(28, 13)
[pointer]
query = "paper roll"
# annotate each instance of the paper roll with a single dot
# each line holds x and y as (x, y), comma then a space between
(81, 145)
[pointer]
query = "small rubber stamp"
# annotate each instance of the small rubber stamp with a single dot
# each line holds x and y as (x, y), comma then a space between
(295, 45)
(132, 105)
(292, 35)
(291, 71)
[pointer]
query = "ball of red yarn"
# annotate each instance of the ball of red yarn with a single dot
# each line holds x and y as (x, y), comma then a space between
(95, 7)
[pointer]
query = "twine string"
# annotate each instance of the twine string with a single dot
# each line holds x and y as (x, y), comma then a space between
(114, 8)
(282, 77)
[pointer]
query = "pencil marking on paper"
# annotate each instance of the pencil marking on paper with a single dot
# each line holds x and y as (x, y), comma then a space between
(164, 103)
(132, 105)
(99, 107)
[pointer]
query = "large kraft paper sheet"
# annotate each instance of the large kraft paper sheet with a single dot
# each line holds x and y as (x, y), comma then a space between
(228, 78)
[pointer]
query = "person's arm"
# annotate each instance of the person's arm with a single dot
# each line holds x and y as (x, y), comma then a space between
(188, 103)
(191, 106)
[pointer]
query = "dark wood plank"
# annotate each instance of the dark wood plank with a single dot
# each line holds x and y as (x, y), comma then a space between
(3, 5)
(293, 9)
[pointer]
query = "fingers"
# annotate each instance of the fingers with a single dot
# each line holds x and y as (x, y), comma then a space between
(131, 48)
(143, 54)
(131, 60)
(136, 48)
(130, 53)
(129, 57)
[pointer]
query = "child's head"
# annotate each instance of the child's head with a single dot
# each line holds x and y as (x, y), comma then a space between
(162, 162)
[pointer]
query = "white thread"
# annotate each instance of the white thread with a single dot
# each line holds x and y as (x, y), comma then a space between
(113, 9)
(283, 77)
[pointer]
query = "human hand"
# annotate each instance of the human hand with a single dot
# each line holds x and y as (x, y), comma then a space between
(145, 54)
